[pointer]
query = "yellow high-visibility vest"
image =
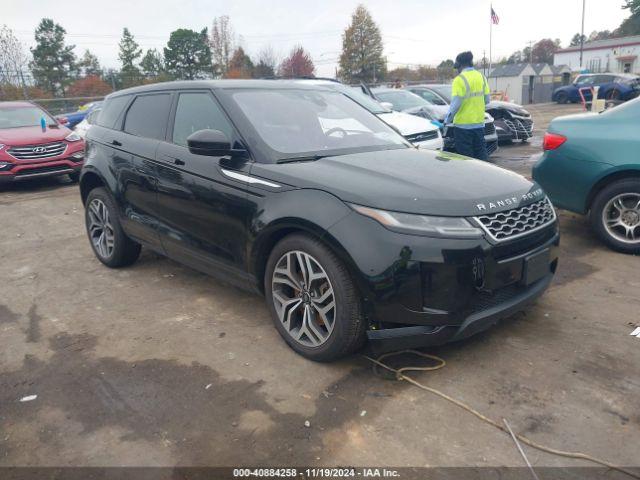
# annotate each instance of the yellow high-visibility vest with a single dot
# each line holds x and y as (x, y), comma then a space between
(471, 86)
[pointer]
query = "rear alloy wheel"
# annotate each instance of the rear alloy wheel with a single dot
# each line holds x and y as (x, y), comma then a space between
(312, 299)
(562, 98)
(615, 215)
(108, 240)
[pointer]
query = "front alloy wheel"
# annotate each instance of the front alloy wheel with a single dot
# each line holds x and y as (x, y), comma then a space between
(313, 300)
(303, 298)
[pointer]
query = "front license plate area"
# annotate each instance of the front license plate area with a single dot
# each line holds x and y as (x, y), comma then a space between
(536, 266)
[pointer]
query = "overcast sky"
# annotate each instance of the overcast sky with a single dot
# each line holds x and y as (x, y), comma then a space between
(414, 31)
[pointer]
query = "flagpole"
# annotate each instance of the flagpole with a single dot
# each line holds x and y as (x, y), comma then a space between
(490, 37)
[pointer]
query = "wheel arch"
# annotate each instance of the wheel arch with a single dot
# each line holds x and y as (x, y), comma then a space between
(90, 180)
(268, 239)
(608, 180)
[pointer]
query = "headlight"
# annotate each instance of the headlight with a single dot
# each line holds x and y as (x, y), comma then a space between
(421, 224)
(73, 137)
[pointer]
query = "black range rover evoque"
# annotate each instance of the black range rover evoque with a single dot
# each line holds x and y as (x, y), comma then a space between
(298, 193)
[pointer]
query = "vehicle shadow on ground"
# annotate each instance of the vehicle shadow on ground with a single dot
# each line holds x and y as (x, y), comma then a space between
(44, 184)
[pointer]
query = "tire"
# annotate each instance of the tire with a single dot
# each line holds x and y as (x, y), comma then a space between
(74, 177)
(341, 330)
(123, 250)
(623, 235)
(562, 98)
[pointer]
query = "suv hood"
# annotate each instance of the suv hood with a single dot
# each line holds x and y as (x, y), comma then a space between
(409, 180)
(439, 112)
(32, 135)
(511, 107)
(407, 124)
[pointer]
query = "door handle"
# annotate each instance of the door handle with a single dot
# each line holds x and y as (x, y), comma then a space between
(169, 158)
(116, 143)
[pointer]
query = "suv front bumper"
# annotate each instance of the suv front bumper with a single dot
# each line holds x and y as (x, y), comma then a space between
(422, 291)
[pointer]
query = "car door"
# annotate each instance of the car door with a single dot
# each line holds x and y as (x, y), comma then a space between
(202, 205)
(144, 125)
(585, 82)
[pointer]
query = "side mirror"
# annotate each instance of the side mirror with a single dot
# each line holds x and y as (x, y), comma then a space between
(213, 143)
(387, 105)
(63, 120)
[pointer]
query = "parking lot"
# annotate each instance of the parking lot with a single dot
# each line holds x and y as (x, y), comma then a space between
(159, 365)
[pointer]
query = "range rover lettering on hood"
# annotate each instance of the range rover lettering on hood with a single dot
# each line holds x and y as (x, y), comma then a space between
(483, 207)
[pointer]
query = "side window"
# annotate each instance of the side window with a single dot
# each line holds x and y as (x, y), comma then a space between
(147, 116)
(111, 110)
(91, 118)
(430, 97)
(599, 79)
(198, 111)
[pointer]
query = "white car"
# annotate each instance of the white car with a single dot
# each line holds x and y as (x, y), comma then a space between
(83, 127)
(419, 131)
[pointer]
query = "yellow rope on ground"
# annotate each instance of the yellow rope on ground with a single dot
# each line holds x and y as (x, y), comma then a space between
(441, 363)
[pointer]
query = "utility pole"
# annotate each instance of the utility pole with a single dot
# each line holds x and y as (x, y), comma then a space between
(584, 2)
(531, 42)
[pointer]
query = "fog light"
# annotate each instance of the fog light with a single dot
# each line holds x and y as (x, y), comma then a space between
(78, 156)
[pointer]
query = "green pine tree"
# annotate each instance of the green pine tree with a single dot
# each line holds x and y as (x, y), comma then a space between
(129, 53)
(152, 63)
(54, 63)
(631, 26)
(362, 47)
(187, 54)
(89, 64)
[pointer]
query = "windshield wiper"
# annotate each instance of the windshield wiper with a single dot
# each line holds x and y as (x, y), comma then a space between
(305, 158)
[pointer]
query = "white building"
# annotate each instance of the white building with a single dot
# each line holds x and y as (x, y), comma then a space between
(615, 55)
(526, 83)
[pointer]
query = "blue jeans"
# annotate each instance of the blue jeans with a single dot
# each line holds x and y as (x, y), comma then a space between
(470, 142)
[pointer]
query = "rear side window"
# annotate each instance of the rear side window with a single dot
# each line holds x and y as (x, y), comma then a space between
(111, 110)
(147, 116)
(198, 111)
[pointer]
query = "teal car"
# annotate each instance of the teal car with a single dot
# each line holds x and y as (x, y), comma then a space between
(591, 165)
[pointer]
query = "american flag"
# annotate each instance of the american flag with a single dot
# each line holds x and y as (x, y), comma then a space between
(494, 17)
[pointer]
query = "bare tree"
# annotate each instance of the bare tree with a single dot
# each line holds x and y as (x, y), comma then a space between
(222, 42)
(266, 63)
(12, 60)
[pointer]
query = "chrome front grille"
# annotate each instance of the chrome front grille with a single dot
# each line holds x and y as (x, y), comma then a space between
(517, 222)
(36, 152)
(521, 128)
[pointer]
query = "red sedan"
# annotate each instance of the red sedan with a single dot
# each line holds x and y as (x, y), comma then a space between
(34, 144)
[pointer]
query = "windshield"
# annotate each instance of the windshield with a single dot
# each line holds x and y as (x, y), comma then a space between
(296, 123)
(355, 94)
(443, 90)
(16, 117)
(401, 99)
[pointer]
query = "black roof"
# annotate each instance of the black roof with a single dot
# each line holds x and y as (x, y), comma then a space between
(217, 84)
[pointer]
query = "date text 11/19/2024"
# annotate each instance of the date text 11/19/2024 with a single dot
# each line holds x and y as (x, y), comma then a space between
(315, 473)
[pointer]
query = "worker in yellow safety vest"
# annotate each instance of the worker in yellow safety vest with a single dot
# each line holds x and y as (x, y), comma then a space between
(469, 96)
